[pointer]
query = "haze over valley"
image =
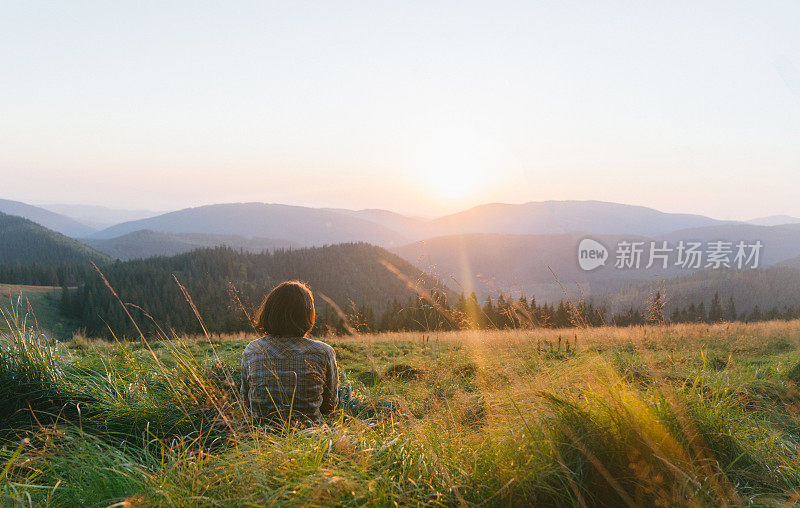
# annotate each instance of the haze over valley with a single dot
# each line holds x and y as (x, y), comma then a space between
(517, 249)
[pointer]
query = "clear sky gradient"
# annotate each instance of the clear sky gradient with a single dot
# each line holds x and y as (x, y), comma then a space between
(420, 107)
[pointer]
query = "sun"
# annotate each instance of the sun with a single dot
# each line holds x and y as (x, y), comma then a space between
(453, 179)
(457, 168)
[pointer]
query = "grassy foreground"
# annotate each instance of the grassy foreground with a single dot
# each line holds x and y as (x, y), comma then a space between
(672, 415)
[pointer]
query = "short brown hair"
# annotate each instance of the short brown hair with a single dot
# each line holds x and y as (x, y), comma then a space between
(287, 311)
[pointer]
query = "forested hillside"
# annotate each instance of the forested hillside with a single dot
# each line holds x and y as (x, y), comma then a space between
(215, 278)
(24, 243)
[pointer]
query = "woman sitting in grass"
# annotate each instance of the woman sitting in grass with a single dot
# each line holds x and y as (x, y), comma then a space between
(285, 375)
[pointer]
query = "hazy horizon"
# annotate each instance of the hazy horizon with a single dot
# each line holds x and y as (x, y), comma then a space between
(419, 216)
(420, 108)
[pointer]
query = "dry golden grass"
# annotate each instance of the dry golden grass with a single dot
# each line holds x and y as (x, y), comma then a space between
(705, 415)
(16, 289)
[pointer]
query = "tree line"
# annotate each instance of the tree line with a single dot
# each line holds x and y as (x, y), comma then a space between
(716, 312)
(432, 312)
(355, 292)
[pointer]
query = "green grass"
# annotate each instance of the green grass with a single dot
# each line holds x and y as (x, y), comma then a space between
(47, 317)
(661, 416)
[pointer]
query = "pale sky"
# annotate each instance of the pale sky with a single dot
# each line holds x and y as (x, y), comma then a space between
(419, 107)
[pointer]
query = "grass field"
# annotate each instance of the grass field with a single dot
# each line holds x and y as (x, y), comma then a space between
(662, 416)
(43, 303)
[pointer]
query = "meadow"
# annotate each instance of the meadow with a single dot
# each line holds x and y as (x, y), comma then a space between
(658, 416)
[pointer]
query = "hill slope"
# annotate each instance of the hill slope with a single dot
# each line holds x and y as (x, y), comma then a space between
(46, 218)
(522, 263)
(779, 242)
(776, 286)
(527, 264)
(24, 242)
(343, 273)
(145, 244)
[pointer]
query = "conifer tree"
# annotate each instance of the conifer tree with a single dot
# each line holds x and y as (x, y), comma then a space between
(730, 310)
(715, 312)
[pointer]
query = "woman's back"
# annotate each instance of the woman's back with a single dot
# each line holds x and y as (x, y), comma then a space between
(284, 375)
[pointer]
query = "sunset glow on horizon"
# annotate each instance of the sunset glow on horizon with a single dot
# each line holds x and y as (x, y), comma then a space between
(421, 108)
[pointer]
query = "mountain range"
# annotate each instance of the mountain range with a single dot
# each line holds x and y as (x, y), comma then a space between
(525, 248)
(319, 226)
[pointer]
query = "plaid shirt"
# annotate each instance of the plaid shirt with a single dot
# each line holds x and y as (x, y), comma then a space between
(280, 375)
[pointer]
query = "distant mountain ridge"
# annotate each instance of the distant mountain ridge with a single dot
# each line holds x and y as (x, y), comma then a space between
(51, 220)
(550, 217)
(319, 226)
(145, 244)
(99, 217)
(308, 226)
(774, 220)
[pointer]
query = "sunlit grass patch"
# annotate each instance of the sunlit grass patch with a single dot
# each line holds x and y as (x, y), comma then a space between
(660, 415)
